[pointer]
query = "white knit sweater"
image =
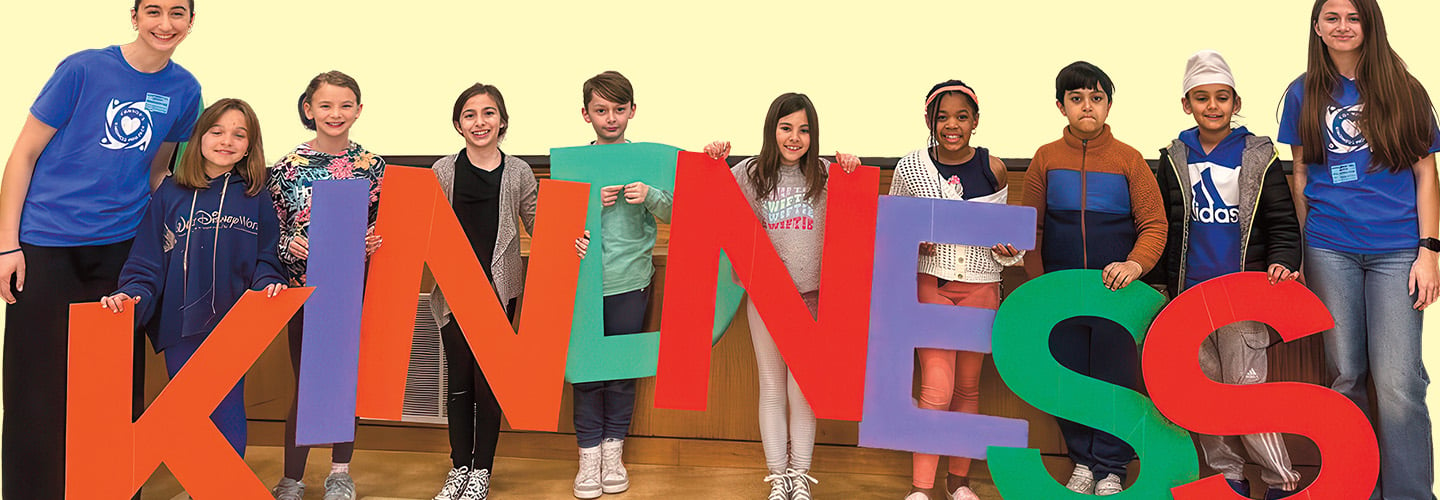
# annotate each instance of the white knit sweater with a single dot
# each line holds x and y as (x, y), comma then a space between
(916, 176)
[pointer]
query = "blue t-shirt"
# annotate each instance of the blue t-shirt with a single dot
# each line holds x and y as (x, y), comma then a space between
(1214, 245)
(1352, 209)
(92, 181)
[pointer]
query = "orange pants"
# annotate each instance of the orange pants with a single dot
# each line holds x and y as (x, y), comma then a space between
(950, 380)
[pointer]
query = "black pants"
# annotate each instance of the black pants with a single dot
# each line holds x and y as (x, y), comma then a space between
(37, 334)
(297, 456)
(603, 409)
(470, 405)
(1101, 349)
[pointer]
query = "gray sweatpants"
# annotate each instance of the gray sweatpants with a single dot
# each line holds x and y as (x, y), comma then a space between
(1235, 354)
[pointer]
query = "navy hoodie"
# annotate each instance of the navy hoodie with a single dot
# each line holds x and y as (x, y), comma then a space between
(196, 252)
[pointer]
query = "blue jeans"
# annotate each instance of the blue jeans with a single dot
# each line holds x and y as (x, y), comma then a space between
(603, 409)
(1377, 333)
(229, 416)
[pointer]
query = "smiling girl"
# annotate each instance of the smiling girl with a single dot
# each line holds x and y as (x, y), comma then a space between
(330, 106)
(208, 235)
(98, 139)
(1363, 134)
(786, 187)
(952, 168)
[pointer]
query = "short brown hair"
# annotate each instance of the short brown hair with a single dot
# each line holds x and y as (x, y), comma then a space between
(332, 77)
(479, 89)
(611, 86)
(190, 172)
(136, 7)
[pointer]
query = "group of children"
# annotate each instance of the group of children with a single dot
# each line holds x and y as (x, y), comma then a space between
(77, 213)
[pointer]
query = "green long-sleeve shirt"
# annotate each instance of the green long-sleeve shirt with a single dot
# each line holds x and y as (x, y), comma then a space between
(628, 234)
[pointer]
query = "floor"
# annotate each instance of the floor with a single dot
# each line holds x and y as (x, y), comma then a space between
(395, 475)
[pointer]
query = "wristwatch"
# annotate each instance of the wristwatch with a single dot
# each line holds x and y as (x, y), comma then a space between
(1431, 244)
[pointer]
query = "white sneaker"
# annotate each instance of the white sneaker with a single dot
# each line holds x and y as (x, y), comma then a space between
(454, 484)
(477, 485)
(613, 477)
(1081, 480)
(288, 489)
(779, 486)
(800, 484)
(962, 493)
(917, 495)
(587, 481)
(1111, 485)
(339, 486)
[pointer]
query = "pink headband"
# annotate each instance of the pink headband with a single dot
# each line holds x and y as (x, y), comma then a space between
(952, 88)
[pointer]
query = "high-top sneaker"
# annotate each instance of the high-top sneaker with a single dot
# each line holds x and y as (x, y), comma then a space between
(779, 486)
(477, 485)
(454, 484)
(587, 481)
(613, 477)
(800, 484)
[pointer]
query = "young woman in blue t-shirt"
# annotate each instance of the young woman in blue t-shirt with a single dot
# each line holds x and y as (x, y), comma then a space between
(99, 137)
(1369, 204)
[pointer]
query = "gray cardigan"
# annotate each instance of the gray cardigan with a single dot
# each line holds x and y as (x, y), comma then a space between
(518, 193)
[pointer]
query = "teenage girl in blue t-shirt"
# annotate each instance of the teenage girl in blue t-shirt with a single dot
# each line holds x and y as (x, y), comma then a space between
(1369, 204)
(99, 137)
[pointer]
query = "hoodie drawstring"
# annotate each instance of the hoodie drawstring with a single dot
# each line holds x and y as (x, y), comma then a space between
(185, 261)
(215, 246)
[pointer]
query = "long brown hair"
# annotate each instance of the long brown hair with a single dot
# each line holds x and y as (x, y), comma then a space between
(1398, 121)
(764, 174)
(190, 172)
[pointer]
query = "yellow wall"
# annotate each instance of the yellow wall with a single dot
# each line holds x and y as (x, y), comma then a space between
(866, 68)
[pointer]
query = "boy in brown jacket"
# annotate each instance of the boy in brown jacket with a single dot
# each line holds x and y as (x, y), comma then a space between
(1099, 208)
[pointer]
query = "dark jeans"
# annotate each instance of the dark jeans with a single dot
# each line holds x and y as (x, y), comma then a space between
(37, 334)
(1101, 349)
(470, 405)
(603, 409)
(229, 415)
(296, 456)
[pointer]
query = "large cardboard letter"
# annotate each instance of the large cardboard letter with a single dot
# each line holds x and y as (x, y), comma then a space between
(1349, 455)
(176, 429)
(527, 370)
(594, 356)
(826, 355)
(330, 355)
(1022, 356)
(899, 323)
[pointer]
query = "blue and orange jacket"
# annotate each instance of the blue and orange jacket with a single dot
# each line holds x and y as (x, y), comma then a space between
(1097, 203)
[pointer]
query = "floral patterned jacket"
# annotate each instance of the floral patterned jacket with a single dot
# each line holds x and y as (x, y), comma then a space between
(290, 187)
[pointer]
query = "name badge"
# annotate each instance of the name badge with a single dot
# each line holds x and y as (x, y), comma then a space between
(1344, 173)
(156, 103)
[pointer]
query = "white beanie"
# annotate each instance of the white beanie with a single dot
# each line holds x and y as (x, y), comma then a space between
(1206, 67)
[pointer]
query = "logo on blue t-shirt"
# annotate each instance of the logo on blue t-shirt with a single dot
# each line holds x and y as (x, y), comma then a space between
(1344, 130)
(1215, 221)
(128, 125)
(1216, 194)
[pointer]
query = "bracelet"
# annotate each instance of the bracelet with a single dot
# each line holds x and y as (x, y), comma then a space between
(8, 252)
